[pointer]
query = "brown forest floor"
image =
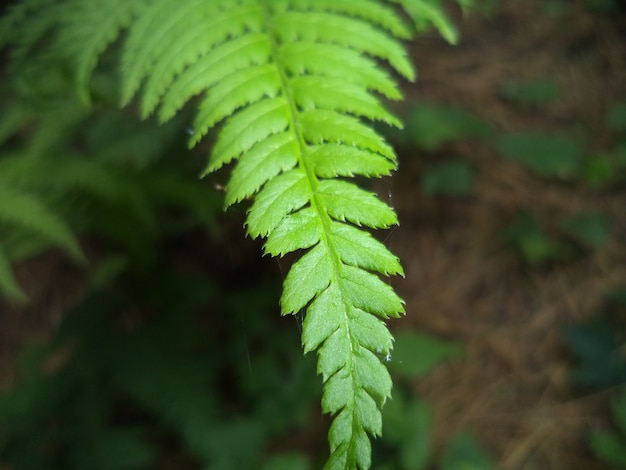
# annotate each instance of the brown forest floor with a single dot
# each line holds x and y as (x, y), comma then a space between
(511, 386)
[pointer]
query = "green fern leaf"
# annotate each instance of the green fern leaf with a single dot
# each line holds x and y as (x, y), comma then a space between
(292, 82)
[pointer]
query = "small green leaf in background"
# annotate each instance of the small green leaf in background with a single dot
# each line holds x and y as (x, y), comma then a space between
(533, 245)
(591, 229)
(610, 447)
(464, 453)
(619, 153)
(598, 171)
(414, 449)
(617, 297)
(415, 354)
(531, 93)
(546, 154)
(602, 6)
(430, 127)
(24, 209)
(407, 426)
(619, 414)
(453, 178)
(617, 117)
(599, 362)
(288, 461)
(554, 7)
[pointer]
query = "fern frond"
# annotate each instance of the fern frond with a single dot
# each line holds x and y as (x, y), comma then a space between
(22, 209)
(27, 22)
(86, 31)
(292, 84)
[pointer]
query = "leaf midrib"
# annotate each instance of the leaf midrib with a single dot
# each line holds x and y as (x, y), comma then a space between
(315, 203)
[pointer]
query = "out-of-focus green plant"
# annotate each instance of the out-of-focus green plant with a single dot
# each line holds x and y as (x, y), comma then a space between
(531, 242)
(406, 444)
(66, 171)
(450, 178)
(464, 453)
(610, 445)
(429, 127)
(591, 229)
(603, 6)
(584, 231)
(533, 93)
(408, 422)
(121, 386)
(597, 346)
(546, 154)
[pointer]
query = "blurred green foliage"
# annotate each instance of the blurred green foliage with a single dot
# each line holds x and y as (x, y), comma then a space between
(176, 361)
(603, 6)
(408, 421)
(610, 445)
(406, 443)
(532, 243)
(599, 362)
(429, 127)
(451, 178)
(591, 229)
(554, 8)
(66, 171)
(616, 118)
(415, 355)
(548, 155)
(573, 233)
(531, 93)
(464, 453)
(121, 386)
(597, 345)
